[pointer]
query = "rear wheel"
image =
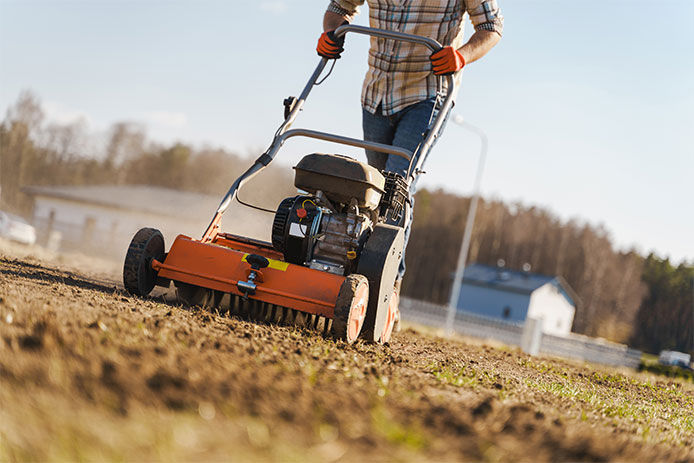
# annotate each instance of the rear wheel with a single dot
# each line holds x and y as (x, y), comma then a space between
(350, 308)
(379, 262)
(391, 318)
(139, 278)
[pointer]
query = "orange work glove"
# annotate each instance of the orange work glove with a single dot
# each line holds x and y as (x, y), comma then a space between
(447, 61)
(330, 46)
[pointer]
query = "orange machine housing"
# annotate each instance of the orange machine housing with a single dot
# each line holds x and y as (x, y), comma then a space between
(221, 263)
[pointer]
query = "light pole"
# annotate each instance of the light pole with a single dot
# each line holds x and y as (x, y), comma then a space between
(469, 223)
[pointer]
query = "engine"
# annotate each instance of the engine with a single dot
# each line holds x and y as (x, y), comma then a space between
(327, 228)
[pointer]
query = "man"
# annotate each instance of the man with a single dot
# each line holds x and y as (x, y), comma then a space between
(399, 94)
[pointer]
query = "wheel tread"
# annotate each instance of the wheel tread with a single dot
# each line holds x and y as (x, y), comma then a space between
(138, 278)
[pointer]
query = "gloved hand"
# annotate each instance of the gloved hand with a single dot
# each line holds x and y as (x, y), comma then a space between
(330, 46)
(447, 61)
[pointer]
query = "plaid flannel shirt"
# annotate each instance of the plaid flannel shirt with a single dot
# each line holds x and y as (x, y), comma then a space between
(399, 73)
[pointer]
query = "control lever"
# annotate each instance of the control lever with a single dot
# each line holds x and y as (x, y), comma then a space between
(257, 263)
(289, 104)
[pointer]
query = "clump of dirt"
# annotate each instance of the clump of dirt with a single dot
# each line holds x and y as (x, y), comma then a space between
(89, 372)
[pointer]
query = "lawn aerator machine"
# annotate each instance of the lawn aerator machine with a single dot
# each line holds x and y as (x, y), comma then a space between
(335, 249)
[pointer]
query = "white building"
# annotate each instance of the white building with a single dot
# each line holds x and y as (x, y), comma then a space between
(103, 219)
(514, 296)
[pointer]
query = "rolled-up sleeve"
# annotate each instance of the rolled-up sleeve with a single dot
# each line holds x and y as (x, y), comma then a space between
(348, 8)
(485, 15)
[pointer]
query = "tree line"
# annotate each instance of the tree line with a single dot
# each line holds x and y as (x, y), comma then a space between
(621, 295)
(33, 152)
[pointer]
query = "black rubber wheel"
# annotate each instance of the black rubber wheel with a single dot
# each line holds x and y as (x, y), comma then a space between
(379, 262)
(350, 308)
(138, 276)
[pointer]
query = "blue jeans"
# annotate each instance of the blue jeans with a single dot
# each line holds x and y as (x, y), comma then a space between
(404, 129)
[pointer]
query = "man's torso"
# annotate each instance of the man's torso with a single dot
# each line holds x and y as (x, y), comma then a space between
(399, 73)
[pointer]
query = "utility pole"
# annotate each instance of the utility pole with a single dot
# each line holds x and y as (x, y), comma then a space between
(469, 223)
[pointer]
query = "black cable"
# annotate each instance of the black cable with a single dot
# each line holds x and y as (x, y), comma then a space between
(327, 75)
(437, 106)
(276, 134)
(252, 206)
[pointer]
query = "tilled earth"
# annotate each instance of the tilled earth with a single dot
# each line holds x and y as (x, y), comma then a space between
(88, 372)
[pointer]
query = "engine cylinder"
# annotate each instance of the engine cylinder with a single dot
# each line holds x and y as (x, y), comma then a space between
(321, 238)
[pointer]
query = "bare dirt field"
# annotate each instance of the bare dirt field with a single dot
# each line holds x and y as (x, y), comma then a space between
(88, 372)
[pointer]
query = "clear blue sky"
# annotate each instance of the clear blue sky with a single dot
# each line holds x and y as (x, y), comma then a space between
(589, 106)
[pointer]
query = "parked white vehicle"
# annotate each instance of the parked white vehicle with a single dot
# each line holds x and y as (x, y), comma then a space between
(671, 357)
(15, 228)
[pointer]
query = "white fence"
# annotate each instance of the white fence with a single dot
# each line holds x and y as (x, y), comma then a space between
(574, 346)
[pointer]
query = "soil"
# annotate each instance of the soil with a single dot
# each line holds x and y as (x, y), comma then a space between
(88, 372)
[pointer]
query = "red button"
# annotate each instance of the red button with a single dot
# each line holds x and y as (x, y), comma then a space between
(301, 213)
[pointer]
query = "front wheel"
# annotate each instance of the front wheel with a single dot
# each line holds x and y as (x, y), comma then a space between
(139, 278)
(350, 308)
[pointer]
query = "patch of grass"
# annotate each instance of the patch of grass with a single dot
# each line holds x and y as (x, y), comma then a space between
(670, 371)
(610, 379)
(395, 432)
(542, 367)
(605, 396)
(456, 375)
(462, 375)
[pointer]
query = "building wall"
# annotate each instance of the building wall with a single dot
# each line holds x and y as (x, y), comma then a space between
(490, 302)
(103, 229)
(549, 304)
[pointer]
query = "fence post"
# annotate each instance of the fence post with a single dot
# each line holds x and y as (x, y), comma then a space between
(532, 335)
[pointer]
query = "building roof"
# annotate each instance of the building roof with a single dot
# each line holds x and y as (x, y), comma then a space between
(154, 200)
(504, 279)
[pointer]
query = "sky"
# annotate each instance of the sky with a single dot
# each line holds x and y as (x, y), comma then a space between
(588, 111)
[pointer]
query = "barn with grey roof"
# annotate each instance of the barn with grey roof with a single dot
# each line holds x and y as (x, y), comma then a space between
(514, 296)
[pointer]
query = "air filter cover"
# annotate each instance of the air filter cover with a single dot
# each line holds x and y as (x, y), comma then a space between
(341, 178)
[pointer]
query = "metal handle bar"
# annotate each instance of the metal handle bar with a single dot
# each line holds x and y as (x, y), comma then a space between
(380, 147)
(283, 133)
(386, 34)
